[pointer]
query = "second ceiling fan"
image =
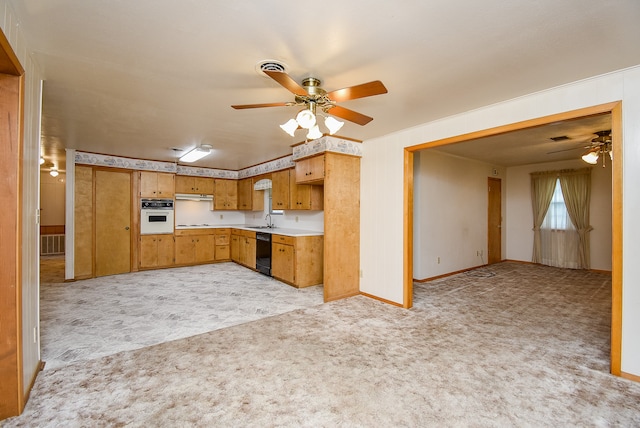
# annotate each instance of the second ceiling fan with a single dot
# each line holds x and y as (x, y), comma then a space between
(313, 97)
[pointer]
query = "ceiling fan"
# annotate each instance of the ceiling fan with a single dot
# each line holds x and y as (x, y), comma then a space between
(600, 145)
(313, 97)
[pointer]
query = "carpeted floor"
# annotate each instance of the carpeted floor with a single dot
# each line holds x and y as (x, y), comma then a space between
(507, 345)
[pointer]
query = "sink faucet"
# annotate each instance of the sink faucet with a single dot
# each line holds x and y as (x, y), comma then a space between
(269, 221)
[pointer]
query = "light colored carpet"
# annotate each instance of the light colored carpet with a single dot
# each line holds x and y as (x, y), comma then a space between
(509, 345)
(93, 318)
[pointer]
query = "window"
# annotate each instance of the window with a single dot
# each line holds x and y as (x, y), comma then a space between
(269, 205)
(557, 217)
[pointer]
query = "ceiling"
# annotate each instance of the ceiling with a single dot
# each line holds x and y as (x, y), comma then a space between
(140, 78)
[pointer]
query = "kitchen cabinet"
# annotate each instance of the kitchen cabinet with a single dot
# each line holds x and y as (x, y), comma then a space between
(195, 246)
(298, 261)
(249, 199)
(225, 194)
(194, 185)
(243, 247)
(280, 193)
(223, 244)
(310, 170)
(305, 196)
(156, 184)
(156, 251)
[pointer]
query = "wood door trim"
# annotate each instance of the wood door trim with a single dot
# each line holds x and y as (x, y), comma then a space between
(489, 224)
(615, 109)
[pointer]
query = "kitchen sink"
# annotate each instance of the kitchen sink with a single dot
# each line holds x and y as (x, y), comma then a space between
(260, 227)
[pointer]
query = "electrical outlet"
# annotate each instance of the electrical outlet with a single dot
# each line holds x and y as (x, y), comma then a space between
(438, 260)
(360, 269)
(221, 216)
(296, 219)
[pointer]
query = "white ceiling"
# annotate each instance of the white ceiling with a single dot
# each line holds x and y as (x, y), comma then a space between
(138, 78)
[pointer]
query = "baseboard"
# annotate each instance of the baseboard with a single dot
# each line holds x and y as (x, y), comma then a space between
(630, 376)
(342, 296)
(448, 274)
(389, 302)
(32, 382)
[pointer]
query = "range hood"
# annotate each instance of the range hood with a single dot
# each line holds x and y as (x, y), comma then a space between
(193, 197)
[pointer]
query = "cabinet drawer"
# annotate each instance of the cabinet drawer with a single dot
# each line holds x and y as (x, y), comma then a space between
(223, 252)
(222, 239)
(281, 239)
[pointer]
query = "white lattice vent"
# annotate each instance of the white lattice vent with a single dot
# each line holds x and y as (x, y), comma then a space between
(51, 244)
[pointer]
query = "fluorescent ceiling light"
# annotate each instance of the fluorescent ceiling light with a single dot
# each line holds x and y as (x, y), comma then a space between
(196, 154)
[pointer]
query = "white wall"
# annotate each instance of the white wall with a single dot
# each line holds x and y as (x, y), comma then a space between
(450, 213)
(30, 182)
(519, 221)
(382, 210)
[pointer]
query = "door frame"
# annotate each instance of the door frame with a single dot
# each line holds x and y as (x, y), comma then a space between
(615, 109)
(12, 394)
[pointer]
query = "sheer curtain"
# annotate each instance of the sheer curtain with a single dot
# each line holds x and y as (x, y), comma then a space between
(560, 201)
(542, 186)
(558, 236)
(576, 189)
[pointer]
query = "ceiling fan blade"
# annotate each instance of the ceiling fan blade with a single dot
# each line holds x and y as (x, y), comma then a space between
(243, 106)
(359, 91)
(568, 150)
(287, 82)
(350, 115)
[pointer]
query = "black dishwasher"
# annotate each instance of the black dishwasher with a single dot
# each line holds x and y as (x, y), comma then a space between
(263, 253)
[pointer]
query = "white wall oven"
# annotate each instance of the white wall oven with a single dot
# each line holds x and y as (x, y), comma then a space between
(156, 216)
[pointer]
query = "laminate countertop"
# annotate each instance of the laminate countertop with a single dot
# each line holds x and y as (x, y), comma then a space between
(273, 230)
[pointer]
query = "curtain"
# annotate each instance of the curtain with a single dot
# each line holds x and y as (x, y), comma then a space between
(558, 236)
(576, 190)
(542, 185)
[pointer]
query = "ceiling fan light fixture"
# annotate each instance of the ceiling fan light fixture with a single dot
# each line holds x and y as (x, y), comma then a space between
(196, 153)
(314, 133)
(54, 172)
(290, 127)
(41, 160)
(333, 124)
(591, 156)
(306, 119)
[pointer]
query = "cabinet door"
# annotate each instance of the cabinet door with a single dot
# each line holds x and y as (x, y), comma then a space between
(148, 184)
(203, 185)
(166, 185)
(185, 250)
(222, 252)
(280, 190)
(250, 252)
(148, 251)
(245, 193)
(204, 248)
(282, 262)
(235, 248)
(226, 195)
(184, 184)
(310, 170)
(166, 250)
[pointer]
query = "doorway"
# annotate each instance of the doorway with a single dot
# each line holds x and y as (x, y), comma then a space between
(494, 226)
(615, 109)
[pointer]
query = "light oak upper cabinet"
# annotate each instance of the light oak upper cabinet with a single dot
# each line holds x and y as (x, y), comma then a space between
(156, 184)
(194, 185)
(310, 170)
(249, 199)
(156, 251)
(305, 196)
(226, 194)
(298, 261)
(280, 193)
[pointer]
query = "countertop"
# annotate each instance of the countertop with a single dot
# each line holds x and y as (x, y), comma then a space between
(275, 230)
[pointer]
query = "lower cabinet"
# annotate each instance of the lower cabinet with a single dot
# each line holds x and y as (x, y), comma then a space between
(223, 244)
(243, 247)
(298, 261)
(156, 251)
(195, 246)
